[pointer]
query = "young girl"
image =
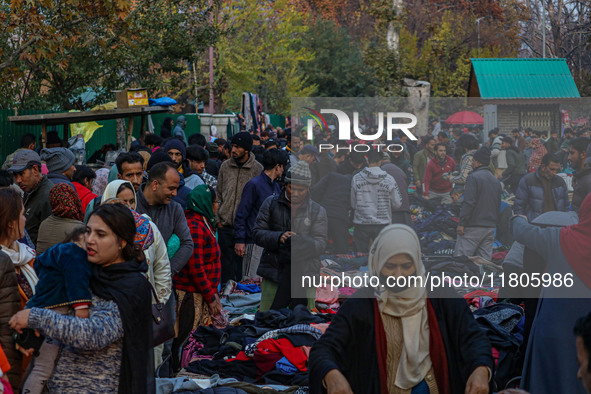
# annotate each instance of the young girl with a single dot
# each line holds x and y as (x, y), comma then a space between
(64, 276)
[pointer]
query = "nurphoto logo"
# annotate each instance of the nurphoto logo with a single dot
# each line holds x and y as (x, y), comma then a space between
(344, 128)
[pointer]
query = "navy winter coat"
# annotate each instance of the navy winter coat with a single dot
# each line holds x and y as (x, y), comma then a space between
(253, 195)
(529, 199)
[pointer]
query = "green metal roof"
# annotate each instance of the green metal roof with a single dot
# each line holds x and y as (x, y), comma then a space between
(523, 79)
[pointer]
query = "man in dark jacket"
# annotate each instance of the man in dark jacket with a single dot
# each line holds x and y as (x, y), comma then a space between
(354, 162)
(333, 192)
(292, 230)
(580, 159)
(255, 192)
(155, 200)
(60, 164)
(420, 161)
(542, 191)
(516, 168)
(480, 210)
(553, 143)
(26, 168)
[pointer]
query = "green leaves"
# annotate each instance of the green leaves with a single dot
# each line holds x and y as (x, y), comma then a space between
(262, 54)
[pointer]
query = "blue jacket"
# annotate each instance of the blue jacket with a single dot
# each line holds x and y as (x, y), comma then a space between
(255, 192)
(529, 199)
(182, 193)
(64, 276)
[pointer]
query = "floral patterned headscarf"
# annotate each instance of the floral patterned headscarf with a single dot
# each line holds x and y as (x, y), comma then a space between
(144, 235)
(100, 182)
(65, 202)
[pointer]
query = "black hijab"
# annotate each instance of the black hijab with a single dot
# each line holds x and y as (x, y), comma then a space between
(166, 129)
(126, 285)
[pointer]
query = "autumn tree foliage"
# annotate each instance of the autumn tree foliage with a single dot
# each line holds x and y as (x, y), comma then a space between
(51, 50)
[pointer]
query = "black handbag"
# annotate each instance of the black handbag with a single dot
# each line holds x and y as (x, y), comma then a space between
(164, 320)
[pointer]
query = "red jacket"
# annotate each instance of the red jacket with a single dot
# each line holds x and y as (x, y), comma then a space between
(85, 194)
(433, 175)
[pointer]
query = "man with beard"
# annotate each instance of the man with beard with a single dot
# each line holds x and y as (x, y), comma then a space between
(234, 174)
(515, 165)
(421, 159)
(579, 156)
(436, 185)
(292, 230)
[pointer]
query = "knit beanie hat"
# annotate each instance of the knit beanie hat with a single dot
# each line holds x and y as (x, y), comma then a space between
(158, 157)
(58, 159)
(299, 174)
(243, 140)
(178, 145)
(483, 156)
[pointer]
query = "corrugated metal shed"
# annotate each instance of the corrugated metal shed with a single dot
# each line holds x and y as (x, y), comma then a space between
(510, 79)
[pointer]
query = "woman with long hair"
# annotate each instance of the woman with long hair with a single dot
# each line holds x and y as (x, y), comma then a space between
(111, 351)
(14, 257)
(12, 228)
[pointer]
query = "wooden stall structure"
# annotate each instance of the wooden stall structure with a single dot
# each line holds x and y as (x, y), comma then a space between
(67, 118)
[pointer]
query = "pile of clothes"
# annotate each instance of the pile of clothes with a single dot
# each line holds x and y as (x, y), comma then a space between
(272, 348)
(241, 298)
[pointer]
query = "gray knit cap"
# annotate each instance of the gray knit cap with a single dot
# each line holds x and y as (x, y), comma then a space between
(58, 159)
(299, 174)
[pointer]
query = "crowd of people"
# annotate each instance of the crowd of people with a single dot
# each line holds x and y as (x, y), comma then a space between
(92, 258)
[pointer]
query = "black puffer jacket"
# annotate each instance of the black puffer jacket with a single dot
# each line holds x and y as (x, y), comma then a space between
(310, 226)
(582, 186)
(10, 303)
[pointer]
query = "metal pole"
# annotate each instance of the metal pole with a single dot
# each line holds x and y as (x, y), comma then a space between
(543, 32)
(211, 98)
(478, 38)
(478, 28)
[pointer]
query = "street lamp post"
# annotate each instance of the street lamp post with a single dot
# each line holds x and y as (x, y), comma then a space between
(478, 28)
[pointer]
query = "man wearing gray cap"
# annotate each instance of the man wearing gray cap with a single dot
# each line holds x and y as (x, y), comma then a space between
(60, 164)
(26, 168)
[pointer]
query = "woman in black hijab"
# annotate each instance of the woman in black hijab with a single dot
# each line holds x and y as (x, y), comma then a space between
(166, 129)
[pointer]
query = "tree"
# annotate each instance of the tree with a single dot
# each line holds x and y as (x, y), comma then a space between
(262, 54)
(560, 28)
(437, 40)
(55, 49)
(337, 69)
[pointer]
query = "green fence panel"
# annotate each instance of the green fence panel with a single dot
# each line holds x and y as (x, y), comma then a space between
(10, 133)
(277, 120)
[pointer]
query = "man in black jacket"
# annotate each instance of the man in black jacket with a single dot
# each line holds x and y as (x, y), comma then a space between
(333, 192)
(26, 168)
(292, 230)
(515, 165)
(480, 210)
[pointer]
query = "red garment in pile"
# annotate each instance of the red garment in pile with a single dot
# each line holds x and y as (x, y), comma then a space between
(281, 347)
